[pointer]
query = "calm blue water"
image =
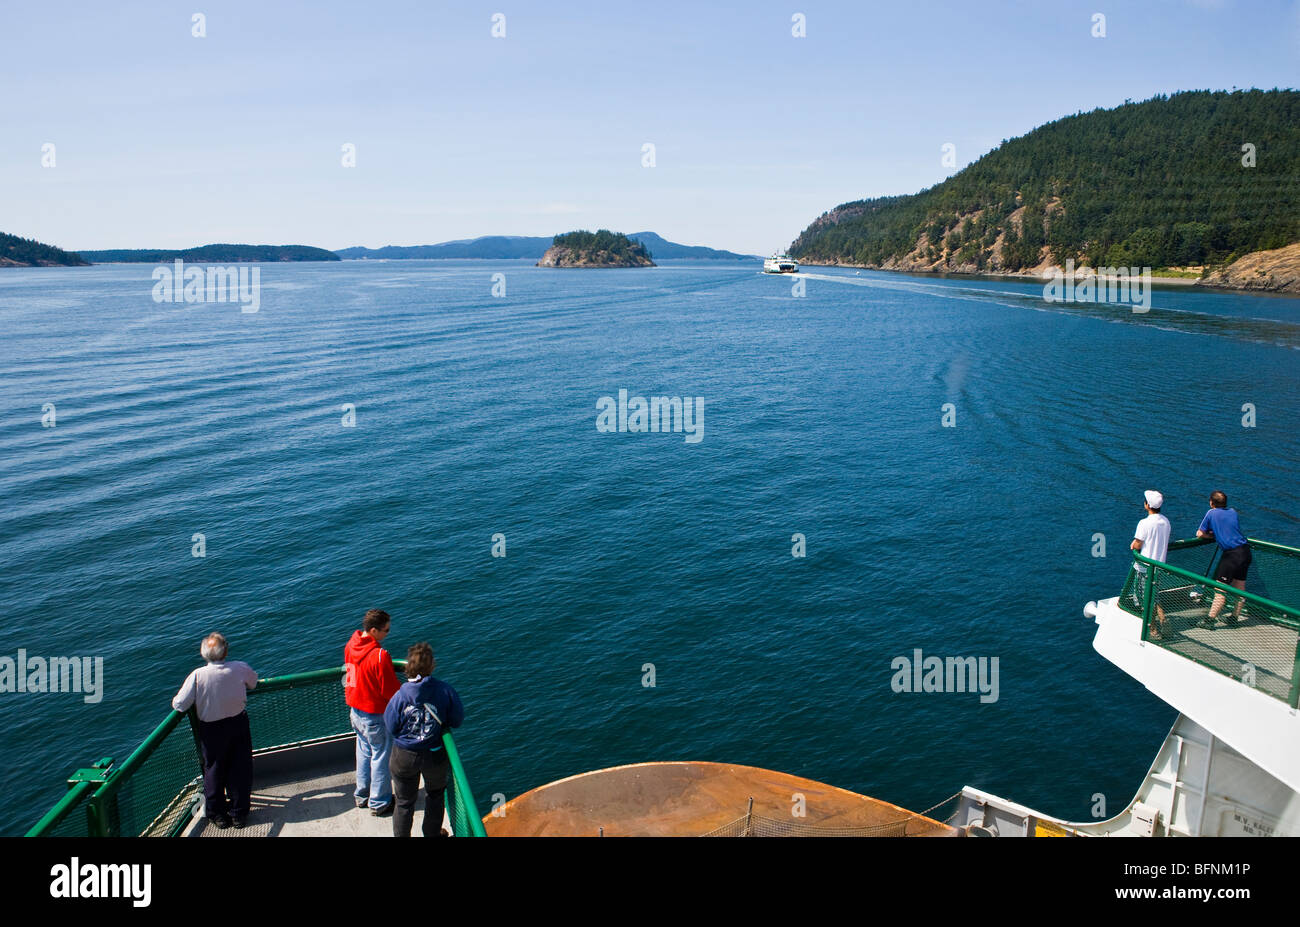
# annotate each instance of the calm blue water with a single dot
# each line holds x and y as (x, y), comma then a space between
(476, 415)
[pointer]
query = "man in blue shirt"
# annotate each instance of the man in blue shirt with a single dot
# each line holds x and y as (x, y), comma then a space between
(1220, 523)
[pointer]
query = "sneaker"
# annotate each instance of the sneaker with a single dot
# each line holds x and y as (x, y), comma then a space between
(362, 801)
(221, 823)
(382, 812)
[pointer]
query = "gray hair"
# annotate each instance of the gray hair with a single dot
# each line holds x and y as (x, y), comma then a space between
(214, 648)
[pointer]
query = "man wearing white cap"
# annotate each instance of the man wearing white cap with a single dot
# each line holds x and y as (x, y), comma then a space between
(1151, 540)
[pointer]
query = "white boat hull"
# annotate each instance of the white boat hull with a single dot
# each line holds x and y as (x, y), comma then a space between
(1230, 766)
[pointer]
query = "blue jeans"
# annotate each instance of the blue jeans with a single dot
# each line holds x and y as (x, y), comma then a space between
(373, 747)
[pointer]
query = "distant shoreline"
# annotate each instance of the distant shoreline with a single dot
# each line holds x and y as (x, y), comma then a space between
(1275, 271)
(700, 260)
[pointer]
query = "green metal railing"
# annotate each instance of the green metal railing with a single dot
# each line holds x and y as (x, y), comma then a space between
(154, 792)
(1256, 638)
(461, 809)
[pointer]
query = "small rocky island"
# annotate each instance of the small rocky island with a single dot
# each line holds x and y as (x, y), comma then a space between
(595, 249)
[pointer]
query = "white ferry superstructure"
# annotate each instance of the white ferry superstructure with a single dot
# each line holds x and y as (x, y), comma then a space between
(780, 264)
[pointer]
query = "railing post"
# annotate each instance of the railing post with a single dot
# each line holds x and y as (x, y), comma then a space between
(81, 784)
(1148, 599)
(193, 715)
(97, 774)
(1293, 699)
(102, 819)
(460, 791)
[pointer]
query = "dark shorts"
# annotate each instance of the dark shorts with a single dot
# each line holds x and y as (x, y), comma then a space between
(1233, 564)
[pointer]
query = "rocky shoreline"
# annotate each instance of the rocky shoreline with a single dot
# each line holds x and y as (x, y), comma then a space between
(1275, 271)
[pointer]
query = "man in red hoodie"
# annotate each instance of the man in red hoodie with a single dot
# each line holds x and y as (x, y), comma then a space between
(368, 683)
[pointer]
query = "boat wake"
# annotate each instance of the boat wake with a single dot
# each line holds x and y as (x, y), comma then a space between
(1185, 321)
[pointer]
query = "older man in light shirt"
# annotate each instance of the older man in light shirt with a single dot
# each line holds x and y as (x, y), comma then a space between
(218, 691)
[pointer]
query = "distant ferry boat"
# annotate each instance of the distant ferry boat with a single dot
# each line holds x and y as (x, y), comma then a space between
(780, 264)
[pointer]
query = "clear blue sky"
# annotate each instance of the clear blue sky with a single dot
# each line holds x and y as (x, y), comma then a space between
(166, 140)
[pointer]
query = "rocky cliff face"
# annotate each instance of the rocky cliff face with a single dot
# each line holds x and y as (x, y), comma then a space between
(582, 257)
(1277, 271)
(971, 244)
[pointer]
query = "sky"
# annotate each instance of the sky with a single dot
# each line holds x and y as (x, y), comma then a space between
(164, 139)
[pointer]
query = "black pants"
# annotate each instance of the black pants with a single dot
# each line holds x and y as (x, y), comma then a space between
(227, 765)
(407, 766)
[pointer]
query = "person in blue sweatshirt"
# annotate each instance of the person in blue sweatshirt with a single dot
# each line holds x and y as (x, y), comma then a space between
(416, 717)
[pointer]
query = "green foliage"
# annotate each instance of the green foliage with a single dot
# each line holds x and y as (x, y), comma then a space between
(1157, 183)
(615, 244)
(27, 251)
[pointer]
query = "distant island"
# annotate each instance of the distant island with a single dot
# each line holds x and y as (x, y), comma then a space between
(670, 251)
(27, 252)
(489, 247)
(514, 247)
(595, 249)
(211, 254)
(23, 252)
(1189, 184)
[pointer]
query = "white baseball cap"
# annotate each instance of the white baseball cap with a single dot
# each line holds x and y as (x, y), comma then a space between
(1154, 499)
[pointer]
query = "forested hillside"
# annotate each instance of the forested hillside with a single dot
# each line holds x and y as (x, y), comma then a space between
(26, 252)
(1161, 183)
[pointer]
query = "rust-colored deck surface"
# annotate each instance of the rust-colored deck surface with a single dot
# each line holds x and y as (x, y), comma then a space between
(692, 799)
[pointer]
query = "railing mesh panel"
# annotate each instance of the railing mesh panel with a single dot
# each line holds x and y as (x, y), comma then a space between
(73, 824)
(300, 712)
(461, 810)
(153, 798)
(1254, 642)
(1256, 648)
